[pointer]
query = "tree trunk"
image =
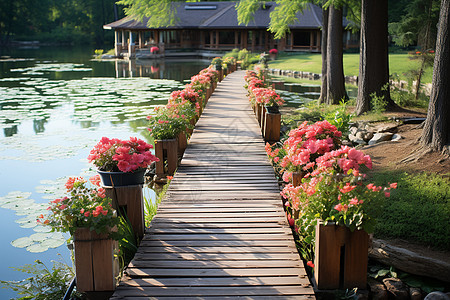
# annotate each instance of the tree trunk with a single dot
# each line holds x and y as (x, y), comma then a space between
(373, 59)
(323, 90)
(335, 69)
(435, 134)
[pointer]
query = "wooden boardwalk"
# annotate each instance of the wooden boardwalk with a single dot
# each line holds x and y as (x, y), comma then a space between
(221, 232)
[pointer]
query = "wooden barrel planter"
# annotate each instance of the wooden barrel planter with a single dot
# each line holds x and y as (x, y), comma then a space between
(95, 265)
(129, 200)
(297, 178)
(272, 124)
(167, 152)
(340, 257)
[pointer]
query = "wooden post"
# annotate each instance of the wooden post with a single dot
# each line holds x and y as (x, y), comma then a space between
(166, 151)
(259, 108)
(130, 200)
(336, 244)
(263, 119)
(94, 261)
(272, 126)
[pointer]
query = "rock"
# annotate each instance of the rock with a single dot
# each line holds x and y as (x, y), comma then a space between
(380, 137)
(368, 136)
(352, 138)
(415, 293)
(437, 296)
(353, 130)
(396, 137)
(388, 128)
(360, 135)
(377, 289)
(397, 288)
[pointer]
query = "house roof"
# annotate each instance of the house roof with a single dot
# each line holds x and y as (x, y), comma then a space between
(221, 15)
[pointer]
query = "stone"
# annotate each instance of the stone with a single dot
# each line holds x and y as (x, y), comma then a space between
(396, 137)
(368, 136)
(388, 128)
(380, 137)
(415, 293)
(397, 288)
(360, 135)
(353, 130)
(377, 289)
(352, 138)
(437, 296)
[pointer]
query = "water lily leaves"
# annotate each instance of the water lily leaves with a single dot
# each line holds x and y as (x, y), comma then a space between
(22, 242)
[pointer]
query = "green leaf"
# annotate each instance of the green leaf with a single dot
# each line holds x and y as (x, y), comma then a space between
(382, 273)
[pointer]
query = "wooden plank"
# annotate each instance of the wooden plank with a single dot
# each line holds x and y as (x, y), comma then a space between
(203, 264)
(216, 291)
(219, 272)
(217, 243)
(217, 236)
(216, 249)
(220, 281)
(216, 256)
(253, 297)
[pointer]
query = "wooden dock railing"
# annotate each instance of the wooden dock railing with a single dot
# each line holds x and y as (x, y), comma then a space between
(221, 232)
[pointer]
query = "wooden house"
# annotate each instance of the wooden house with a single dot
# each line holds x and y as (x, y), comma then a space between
(214, 26)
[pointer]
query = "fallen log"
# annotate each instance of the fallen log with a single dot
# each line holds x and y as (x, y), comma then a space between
(410, 261)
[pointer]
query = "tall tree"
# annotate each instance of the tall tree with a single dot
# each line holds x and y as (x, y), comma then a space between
(435, 135)
(374, 57)
(334, 58)
(323, 90)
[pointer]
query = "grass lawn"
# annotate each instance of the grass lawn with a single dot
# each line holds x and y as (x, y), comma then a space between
(312, 62)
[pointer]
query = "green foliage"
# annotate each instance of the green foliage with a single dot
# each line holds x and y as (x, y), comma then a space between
(45, 283)
(377, 103)
(407, 99)
(161, 13)
(128, 240)
(417, 25)
(247, 58)
(417, 209)
(340, 118)
(234, 53)
(285, 14)
(246, 10)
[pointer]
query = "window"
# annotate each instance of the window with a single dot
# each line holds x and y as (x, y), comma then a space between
(226, 37)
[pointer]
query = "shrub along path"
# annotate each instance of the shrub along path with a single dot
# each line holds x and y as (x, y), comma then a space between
(221, 230)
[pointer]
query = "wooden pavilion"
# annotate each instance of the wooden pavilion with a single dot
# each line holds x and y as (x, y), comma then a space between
(214, 26)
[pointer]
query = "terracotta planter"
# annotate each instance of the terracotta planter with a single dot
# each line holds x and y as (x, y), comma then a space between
(167, 152)
(95, 265)
(272, 124)
(340, 257)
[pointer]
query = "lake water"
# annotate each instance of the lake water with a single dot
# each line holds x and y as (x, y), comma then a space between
(55, 104)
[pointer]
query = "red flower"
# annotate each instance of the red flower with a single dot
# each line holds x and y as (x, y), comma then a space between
(310, 264)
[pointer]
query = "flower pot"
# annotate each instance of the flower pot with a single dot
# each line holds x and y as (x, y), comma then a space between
(259, 109)
(272, 124)
(95, 265)
(340, 257)
(182, 143)
(167, 152)
(122, 178)
(297, 178)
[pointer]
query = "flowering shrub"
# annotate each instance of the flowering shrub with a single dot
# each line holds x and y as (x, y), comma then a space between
(188, 94)
(273, 51)
(211, 73)
(82, 207)
(168, 122)
(305, 145)
(154, 49)
(267, 97)
(114, 155)
(333, 188)
(217, 63)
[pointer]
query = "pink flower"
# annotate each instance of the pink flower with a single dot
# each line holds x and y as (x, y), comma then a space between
(310, 264)
(393, 185)
(387, 194)
(347, 188)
